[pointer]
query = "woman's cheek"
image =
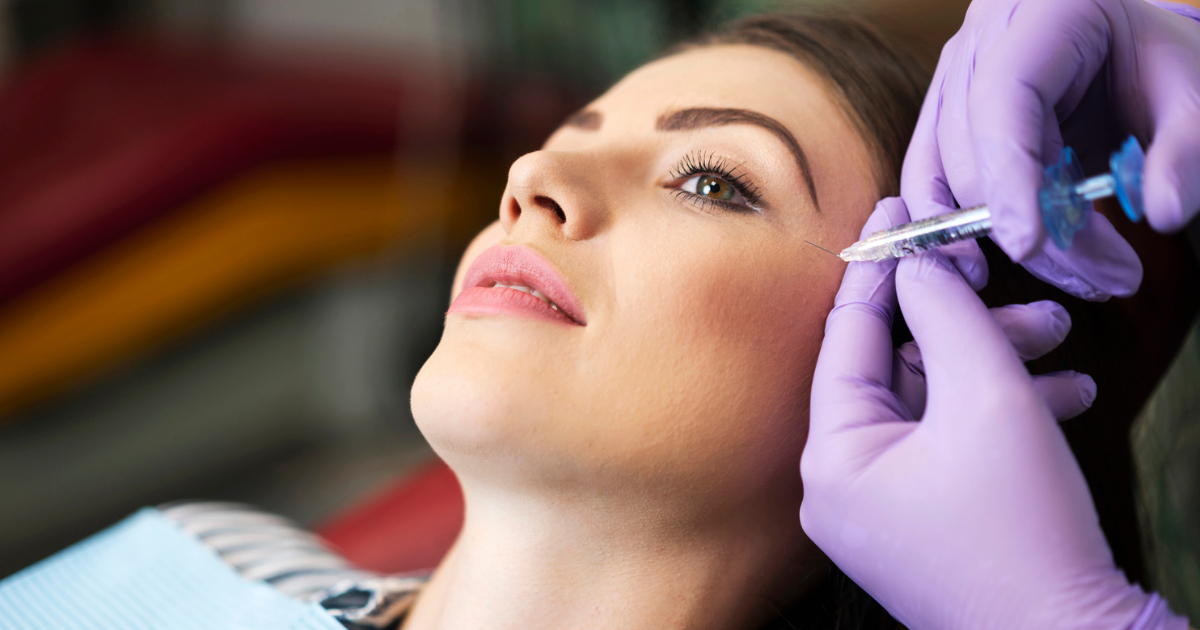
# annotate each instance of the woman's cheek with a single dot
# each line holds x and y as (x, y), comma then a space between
(741, 318)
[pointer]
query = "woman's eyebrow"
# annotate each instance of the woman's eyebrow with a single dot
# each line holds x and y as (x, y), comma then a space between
(700, 117)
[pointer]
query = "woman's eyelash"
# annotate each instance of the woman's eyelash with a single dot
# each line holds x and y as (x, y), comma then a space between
(694, 164)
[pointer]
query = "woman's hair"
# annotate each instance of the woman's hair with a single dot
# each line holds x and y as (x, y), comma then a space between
(880, 86)
(879, 83)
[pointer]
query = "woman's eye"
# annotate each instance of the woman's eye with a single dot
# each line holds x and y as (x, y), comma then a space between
(714, 188)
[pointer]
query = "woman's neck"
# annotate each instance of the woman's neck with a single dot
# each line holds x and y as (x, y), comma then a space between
(571, 562)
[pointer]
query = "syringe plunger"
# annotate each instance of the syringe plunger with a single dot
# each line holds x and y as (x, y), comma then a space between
(1065, 199)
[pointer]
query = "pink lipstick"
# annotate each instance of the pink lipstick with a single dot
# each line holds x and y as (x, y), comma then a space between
(515, 280)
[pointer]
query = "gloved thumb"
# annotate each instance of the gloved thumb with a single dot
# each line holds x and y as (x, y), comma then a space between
(854, 368)
(1171, 183)
(963, 348)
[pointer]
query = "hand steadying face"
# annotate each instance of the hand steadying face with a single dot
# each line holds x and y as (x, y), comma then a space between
(667, 222)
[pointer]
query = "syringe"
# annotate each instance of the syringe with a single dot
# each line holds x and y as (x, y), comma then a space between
(1065, 199)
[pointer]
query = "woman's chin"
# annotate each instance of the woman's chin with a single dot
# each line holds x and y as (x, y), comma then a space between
(478, 400)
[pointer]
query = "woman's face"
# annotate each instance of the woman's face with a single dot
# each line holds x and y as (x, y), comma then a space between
(668, 222)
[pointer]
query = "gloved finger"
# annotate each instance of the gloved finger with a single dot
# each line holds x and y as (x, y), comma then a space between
(1171, 179)
(926, 189)
(908, 378)
(1068, 394)
(1099, 264)
(1014, 89)
(853, 373)
(1033, 329)
(1052, 140)
(962, 347)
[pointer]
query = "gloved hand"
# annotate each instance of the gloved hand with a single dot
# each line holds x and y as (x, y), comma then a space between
(977, 516)
(1032, 329)
(990, 122)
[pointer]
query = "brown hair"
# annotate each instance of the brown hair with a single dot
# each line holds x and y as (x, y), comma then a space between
(880, 84)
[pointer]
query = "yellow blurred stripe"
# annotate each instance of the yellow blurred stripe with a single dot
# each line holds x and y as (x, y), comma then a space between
(261, 232)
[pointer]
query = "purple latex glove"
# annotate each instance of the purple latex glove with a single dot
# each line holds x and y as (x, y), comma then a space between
(977, 516)
(990, 121)
(1032, 329)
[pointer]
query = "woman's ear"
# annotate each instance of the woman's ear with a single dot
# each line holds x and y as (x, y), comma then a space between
(490, 235)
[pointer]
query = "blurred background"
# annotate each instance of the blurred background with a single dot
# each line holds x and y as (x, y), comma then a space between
(228, 228)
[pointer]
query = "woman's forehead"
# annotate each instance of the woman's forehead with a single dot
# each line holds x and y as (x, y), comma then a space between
(736, 76)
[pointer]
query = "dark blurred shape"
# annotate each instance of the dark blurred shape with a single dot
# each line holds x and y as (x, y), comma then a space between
(39, 24)
(578, 43)
(1166, 449)
(111, 133)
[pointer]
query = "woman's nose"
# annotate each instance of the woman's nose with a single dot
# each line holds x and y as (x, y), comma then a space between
(553, 190)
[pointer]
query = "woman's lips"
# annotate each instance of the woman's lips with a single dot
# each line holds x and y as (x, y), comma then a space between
(508, 279)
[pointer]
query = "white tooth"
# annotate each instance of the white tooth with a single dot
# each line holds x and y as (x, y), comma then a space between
(535, 293)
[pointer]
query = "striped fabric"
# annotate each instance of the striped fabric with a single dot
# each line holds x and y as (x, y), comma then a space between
(144, 573)
(271, 549)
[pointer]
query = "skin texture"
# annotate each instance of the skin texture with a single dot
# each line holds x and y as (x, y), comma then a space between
(640, 471)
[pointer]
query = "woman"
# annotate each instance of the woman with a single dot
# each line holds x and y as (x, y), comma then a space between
(622, 385)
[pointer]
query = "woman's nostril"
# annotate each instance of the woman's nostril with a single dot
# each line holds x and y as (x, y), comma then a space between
(552, 205)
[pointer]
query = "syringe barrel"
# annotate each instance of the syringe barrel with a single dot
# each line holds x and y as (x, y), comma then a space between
(1097, 187)
(919, 236)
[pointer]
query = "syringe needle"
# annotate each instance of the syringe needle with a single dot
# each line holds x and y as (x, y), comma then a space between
(818, 247)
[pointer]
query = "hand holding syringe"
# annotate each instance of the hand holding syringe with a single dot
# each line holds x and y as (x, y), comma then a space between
(1065, 199)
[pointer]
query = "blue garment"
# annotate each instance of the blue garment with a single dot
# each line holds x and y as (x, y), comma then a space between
(145, 573)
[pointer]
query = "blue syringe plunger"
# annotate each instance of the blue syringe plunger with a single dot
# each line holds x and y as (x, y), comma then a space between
(1127, 165)
(1066, 198)
(1064, 211)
